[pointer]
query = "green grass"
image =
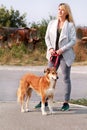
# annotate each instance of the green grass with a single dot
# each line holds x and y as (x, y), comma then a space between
(82, 101)
(22, 55)
(25, 55)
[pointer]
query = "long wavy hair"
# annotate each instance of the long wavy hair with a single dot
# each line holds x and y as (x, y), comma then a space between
(69, 16)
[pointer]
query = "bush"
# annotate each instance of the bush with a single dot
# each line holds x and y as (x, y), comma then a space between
(9, 55)
(80, 51)
(18, 51)
(22, 55)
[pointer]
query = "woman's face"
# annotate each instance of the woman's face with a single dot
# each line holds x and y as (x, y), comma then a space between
(62, 12)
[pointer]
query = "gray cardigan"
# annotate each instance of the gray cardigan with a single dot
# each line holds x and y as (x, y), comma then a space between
(66, 40)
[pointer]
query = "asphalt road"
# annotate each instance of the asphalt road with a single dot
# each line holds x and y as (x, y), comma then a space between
(10, 76)
(12, 119)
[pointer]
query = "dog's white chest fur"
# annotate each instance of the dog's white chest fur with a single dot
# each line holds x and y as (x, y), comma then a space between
(50, 90)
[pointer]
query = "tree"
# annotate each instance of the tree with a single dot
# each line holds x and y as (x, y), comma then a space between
(41, 27)
(11, 18)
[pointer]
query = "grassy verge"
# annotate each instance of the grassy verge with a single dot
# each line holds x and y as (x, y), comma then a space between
(79, 101)
(22, 56)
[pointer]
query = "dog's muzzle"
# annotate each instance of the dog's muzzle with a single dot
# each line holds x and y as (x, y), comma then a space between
(55, 78)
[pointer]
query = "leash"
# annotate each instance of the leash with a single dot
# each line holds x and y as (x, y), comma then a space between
(54, 59)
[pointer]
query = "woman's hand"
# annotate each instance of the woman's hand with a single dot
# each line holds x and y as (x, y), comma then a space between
(52, 51)
(59, 52)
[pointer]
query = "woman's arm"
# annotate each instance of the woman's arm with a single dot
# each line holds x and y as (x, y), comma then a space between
(72, 38)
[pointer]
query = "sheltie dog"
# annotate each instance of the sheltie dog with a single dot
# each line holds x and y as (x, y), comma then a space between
(43, 85)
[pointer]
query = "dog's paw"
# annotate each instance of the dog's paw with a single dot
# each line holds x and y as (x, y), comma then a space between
(22, 110)
(27, 110)
(44, 113)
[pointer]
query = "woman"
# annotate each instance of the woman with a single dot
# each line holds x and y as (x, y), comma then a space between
(60, 38)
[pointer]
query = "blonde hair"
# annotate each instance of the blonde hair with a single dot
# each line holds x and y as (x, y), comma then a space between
(69, 16)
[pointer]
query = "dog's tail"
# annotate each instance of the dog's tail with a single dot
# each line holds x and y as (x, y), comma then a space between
(18, 94)
(21, 92)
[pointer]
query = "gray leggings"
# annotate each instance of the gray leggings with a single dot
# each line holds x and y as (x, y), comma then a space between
(66, 76)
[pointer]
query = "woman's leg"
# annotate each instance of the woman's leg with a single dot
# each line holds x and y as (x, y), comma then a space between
(67, 83)
(66, 79)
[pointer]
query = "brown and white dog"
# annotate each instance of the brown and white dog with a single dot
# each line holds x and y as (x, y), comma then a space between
(44, 86)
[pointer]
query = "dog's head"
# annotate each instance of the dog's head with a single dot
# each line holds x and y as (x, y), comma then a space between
(51, 73)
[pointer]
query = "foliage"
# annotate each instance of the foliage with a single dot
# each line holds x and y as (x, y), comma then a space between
(81, 32)
(11, 18)
(80, 51)
(79, 101)
(18, 51)
(15, 52)
(21, 55)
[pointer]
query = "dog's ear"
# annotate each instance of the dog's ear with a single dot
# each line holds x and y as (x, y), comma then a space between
(47, 70)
